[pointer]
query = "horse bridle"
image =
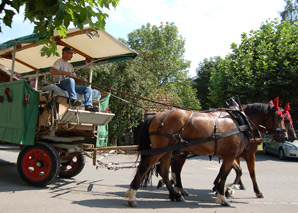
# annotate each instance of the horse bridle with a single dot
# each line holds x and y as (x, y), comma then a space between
(274, 128)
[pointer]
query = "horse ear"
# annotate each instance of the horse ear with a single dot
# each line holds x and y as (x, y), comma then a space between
(287, 107)
(276, 103)
(287, 111)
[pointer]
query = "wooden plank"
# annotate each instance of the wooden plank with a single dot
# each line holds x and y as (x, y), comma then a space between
(107, 148)
(10, 148)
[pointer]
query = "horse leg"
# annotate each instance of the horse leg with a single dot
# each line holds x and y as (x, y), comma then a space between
(216, 181)
(238, 170)
(229, 191)
(164, 172)
(250, 161)
(223, 173)
(239, 181)
(146, 163)
(176, 168)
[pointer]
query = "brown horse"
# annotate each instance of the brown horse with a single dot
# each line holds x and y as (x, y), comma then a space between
(248, 154)
(202, 133)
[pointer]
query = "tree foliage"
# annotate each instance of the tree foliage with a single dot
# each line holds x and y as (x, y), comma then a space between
(161, 53)
(50, 15)
(122, 76)
(290, 12)
(201, 82)
(262, 67)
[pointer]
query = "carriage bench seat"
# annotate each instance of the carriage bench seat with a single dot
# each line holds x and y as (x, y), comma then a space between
(78, 119)
(57, 91)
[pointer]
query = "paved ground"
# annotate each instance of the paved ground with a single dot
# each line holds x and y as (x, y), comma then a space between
(102, 190)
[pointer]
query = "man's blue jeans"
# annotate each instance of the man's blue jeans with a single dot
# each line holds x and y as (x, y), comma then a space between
(70, 86)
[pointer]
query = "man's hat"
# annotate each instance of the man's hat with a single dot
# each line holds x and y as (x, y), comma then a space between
(68, 49)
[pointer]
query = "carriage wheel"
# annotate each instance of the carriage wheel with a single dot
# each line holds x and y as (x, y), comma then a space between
(72, 167)
(38, 165)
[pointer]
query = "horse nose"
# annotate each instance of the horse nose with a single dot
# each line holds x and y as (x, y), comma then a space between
(286, 137)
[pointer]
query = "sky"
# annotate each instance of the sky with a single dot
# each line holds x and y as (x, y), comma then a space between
(209, 27)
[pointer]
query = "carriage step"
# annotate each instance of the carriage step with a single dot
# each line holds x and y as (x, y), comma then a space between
(87, 117)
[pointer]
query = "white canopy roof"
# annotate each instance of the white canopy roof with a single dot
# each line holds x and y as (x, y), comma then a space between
(103, 49)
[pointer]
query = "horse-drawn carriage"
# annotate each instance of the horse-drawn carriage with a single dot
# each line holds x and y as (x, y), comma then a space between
(50, 133)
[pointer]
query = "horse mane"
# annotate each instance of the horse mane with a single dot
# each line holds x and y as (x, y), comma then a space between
(255, 108)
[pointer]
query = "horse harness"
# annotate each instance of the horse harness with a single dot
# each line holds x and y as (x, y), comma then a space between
(274, 128)
(215, 136)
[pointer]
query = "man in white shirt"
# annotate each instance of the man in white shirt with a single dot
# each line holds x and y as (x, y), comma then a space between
(64, 75)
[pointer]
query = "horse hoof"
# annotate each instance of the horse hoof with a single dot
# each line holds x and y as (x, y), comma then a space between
(180, 199)
(226, 204)
(132, 203)
(184, 193)
(242, 187)
(160, 184)
(260, 195)
(229, 192)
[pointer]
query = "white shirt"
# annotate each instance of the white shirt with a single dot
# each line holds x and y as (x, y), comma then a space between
(62, 65)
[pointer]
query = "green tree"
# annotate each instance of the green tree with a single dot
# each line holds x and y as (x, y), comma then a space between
(161, 56)
(50, 15)
(123, 77)
(262, 67)
(290, 12)
(202, 81)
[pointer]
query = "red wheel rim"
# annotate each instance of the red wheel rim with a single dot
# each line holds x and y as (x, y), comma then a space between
(36, 164)
(67, 167)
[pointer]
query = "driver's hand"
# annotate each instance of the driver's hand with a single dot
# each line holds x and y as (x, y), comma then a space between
(84, 79)
(69, 74)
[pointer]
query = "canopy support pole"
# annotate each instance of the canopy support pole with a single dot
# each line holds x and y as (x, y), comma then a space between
(36, 80)
(91, 73)
(13, 62)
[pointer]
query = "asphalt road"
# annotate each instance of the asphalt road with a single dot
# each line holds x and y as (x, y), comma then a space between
(102, 190)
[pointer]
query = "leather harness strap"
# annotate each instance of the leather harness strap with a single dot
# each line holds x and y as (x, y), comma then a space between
(177, 135)
(215, 132)
(184, 143)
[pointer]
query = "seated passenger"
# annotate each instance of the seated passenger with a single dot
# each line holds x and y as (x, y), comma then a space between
(64, 76)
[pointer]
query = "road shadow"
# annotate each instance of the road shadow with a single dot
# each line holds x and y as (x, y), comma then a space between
(148, 198)
(151, 198)
(10, 179)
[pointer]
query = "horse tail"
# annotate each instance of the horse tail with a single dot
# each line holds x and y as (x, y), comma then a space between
(143, 140)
